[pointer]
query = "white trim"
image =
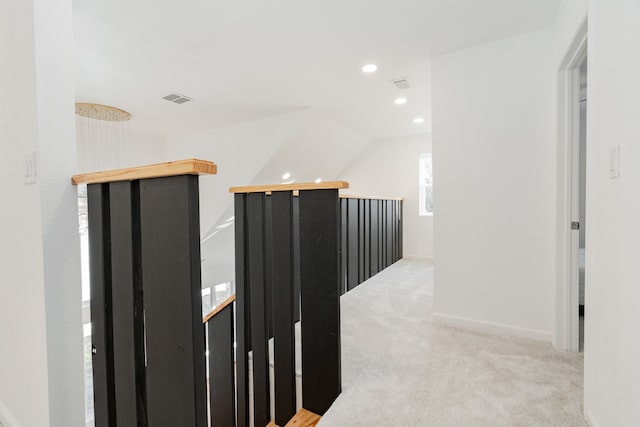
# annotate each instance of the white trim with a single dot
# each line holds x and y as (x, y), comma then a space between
(566, 310)
(496, 328)
(6, 418)
(591, 420)
(418, 258)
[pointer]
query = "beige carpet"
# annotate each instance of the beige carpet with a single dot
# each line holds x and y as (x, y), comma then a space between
(400, 370)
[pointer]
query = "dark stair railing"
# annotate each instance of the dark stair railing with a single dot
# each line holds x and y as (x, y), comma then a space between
(271, 226)
(298, 248)
(146, 306)
(371, 237)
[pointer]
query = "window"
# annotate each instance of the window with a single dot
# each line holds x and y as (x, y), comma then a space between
(426, 185)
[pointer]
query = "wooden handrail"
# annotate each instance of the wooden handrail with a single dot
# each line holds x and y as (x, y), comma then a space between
(352, 196)
(219, 308)
(180, 167)
(329, 185)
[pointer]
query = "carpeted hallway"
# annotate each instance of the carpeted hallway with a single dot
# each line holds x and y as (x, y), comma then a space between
(401, 370)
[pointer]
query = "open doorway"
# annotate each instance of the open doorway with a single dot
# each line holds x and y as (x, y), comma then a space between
(572, 186)
(581, 194)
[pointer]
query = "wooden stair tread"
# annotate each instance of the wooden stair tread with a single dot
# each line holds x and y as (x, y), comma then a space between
(303, 418)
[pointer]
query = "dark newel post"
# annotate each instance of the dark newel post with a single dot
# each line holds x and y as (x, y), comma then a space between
(283, 305)
(170, 239)
(319, 259)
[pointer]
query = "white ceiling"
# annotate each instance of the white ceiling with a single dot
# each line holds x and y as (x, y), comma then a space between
(245, 60)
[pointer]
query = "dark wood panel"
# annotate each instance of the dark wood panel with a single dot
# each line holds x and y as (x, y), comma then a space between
(257, 288)
(401, 230)
(101, 306)
(374, 236)
(366, 254)
(268, 264)
(361, 233)
(170, 238)
(243, 324)
(283, 306)
(221, 369)
(389, 232)
(296, 258)
(344, 227)
(352, 244)
(128, 314)
(319, 249)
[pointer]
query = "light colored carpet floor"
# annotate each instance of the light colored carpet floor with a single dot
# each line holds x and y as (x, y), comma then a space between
(399, 369)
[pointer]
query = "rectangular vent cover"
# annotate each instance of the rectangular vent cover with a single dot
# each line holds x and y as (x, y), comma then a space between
(177, 98)
(402, 83)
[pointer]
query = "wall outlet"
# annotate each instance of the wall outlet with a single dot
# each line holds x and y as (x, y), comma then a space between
(30, 168)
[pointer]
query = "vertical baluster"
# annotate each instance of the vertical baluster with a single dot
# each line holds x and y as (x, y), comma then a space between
(319, 249)
(243, 324)
(367, 238)
(283, 305)
(389, 238)
(221, 369)
(170, 238)
(352, 244)
(296, 258)
(361, 233)
(128, 314)
(374, 237)
(401, 229)
(268, 235)
(259, 327)
(343, 245)
(101, 304)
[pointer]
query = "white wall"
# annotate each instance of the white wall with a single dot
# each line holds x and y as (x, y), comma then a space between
(23, 363)
(40, 324)
(389, 168)
(53, 28)
(612, 341)
(494, 200)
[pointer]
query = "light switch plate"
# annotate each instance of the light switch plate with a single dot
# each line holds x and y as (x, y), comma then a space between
(30, 168)
(614, 162)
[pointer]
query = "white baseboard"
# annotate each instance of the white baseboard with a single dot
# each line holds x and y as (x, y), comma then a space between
(497, 328)
(418, 258)
(591, 420)
(6, 418)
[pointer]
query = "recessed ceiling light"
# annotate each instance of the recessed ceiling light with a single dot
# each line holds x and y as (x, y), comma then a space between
(287, 175)
(370, 68)
(418, 120)
(318, 181)
(400, 101)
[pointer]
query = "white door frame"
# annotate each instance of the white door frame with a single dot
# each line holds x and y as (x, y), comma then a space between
(566, 336)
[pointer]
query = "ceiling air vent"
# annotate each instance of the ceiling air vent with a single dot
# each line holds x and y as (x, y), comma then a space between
(177, 98)
(402, 83)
